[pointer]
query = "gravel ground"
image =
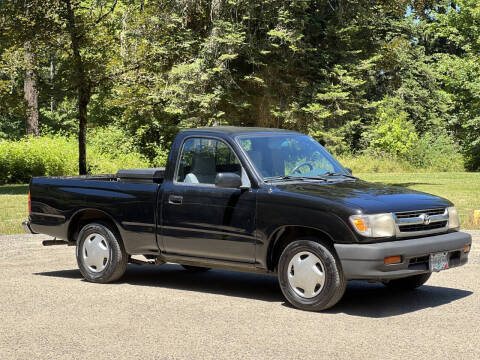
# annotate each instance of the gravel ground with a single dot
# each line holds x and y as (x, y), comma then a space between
(48, 312)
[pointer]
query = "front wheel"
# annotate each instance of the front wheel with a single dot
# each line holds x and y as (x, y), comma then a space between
(408, 283)
(101, 257)
(310, 275)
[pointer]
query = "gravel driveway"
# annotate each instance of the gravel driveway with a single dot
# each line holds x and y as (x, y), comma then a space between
(48, 312)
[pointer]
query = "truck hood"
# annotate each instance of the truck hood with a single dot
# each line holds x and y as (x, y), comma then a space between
(370, 198)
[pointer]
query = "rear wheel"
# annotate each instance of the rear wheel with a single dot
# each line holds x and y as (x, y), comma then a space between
(195, 268)
(310, 275)
(408, 283)
(101, 257)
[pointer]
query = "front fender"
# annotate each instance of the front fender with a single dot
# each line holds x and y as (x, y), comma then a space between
(275, 214)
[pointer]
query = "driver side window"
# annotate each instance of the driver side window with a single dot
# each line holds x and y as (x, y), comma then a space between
(202, 159)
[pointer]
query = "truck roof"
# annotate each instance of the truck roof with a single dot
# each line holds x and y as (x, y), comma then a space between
(236, 130)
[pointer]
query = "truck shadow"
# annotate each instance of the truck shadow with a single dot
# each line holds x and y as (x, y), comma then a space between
(360, 299)
(374, 300)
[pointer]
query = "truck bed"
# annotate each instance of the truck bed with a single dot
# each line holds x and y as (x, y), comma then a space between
(128, 199)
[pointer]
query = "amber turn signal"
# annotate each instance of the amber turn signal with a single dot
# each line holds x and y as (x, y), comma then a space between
(392, 260)
(466, 249)
(360, 225)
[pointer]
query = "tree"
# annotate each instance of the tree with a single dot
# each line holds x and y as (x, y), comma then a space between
(21, 22)
(81, 82)
(326, 68)
(457, 36)
(31, 91)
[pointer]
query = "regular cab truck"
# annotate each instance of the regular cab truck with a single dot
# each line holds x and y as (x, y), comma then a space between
(251, 199)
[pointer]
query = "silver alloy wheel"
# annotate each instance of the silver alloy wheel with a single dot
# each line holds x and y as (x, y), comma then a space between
(95, 252)
(306, 274)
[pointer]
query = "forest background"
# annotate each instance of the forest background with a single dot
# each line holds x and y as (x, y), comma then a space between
(390, 87)
(385, 85)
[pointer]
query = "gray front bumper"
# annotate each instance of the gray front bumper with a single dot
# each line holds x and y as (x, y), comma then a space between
(26, 227)
(366, 261)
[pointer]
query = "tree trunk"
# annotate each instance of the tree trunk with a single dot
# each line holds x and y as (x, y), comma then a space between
(83, 85)
(52, 84)
(83, 100)
(30, 92)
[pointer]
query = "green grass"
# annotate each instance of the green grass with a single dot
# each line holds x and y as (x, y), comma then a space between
(463, 189)
(13, 208)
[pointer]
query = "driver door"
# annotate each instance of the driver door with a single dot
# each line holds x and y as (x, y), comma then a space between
(201, 220)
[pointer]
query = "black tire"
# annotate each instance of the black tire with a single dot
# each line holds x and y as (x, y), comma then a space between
(195, 268)
(334, 282)
(408, 283)
(116, 260)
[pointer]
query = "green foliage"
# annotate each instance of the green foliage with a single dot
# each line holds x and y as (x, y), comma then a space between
(375, 162)
(395, 136)
(355, 75)
(57, 155)
(461, 77)
(393, 133)
(111, 149)
(436, 152)
(161, 157)
(111, 141)
(51, 155)
(98, 163)
(430, 154)
(457, 36)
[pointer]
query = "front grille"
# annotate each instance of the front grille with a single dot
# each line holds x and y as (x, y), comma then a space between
(419, 222)
(410, 214)
(421, 227)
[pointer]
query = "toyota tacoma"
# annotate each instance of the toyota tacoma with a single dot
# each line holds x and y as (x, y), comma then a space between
(252, 199)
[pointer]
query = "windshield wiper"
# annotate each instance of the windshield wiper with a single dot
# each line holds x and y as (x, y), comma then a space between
(331, 173)
(291, 177)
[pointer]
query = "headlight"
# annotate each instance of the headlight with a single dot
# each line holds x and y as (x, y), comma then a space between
(453, 219)
(377, 225)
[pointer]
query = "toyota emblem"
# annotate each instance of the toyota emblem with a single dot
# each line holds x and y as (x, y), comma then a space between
(425, 218)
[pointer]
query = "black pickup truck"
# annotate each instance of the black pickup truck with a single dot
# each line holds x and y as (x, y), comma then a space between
(251, 199)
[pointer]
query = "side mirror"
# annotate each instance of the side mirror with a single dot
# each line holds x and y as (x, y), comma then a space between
(228, 180)
(349, 170)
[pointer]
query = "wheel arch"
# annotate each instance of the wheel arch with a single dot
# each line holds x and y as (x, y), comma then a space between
(285, 235)
(89, 215)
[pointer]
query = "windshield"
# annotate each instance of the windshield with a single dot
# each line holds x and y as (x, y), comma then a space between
(289, 155)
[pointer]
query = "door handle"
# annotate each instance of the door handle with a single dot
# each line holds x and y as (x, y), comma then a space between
(175, 199)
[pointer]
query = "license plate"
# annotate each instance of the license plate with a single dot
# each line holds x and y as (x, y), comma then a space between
(439, 261)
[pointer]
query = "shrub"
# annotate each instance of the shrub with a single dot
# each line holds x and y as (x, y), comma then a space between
(436, 152)
(110, 140)
(393, 134)
(394, 145)
(111, 148)
(160, 158)
(102, 164)
(56, 155)
(374, 162)
(49, 155)
(429, 154)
